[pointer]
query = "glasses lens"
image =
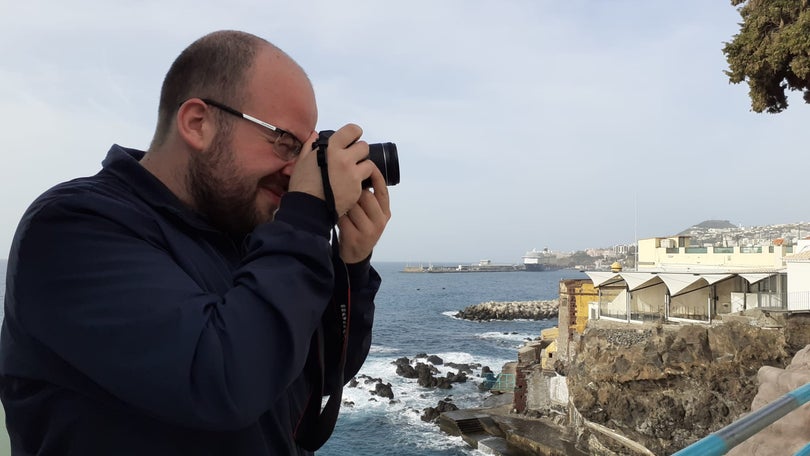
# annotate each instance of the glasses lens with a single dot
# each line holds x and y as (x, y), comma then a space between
(287, 146)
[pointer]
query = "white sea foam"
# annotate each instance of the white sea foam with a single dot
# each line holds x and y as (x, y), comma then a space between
(381, 349)
(450, 313)
(515, 337)
(410, 399)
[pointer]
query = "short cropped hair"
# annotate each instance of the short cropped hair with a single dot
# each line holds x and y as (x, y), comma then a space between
(215, 66)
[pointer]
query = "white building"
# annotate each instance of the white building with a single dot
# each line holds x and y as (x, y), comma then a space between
(677, 281)
(798, 272)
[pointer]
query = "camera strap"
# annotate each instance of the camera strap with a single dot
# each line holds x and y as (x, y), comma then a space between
(322, 143)
(317, 424)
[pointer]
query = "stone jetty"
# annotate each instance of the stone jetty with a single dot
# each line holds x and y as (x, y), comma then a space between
(511, 310)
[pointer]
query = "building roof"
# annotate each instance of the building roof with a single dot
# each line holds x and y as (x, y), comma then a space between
(801, 256)
(674, 281)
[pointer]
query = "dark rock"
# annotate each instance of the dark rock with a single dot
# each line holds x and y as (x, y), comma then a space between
(425, 375)
(463, 367)
(431, 413)
(435, 360)
(407, 371)
(368, 380)
(383, 390)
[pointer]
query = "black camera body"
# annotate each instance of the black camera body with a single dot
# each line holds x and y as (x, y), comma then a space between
(383, 155)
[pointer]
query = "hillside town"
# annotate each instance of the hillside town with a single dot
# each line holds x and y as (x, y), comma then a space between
(717, 233)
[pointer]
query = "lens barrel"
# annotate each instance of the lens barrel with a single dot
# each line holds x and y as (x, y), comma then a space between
(384, 155)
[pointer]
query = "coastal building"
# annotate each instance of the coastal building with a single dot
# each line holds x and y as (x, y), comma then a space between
(680, 282)
(575, 296)
(538, 388)
(798, 272)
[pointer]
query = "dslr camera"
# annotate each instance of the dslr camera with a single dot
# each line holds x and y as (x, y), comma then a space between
(383, 155)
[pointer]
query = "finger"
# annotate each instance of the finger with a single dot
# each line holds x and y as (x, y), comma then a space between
(368, 217)
(346, 135)
(308, 145)
(381, 191)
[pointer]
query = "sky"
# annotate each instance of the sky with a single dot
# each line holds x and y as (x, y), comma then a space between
(564, 125)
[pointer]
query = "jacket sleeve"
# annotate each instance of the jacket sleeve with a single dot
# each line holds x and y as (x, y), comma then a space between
(113, 303)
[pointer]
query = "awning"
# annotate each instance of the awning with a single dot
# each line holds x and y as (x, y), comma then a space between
(756, 277)
(600, 277)
(638, 279)
(714, 278)
(674, 282)
(679, 282)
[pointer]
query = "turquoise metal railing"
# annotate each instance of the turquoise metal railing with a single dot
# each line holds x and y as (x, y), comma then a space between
(503, 382)
(805, 451)
(720, 442)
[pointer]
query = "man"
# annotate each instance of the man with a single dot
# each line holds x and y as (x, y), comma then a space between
(183, 301)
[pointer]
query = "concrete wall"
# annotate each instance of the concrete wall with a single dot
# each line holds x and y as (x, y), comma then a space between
(545, 390)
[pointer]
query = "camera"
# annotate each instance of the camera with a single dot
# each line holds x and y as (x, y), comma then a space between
(383, 155)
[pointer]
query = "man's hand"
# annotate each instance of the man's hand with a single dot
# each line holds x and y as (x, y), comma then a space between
(362, 226)
(345, 173)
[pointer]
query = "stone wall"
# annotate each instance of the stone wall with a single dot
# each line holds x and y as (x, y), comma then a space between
(666, 386)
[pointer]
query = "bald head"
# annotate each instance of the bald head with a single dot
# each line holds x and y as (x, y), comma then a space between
(216, 66)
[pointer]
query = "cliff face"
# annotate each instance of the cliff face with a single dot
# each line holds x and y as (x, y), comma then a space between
(667, 386)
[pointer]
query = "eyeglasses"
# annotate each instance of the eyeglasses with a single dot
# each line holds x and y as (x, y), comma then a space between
(286, 146)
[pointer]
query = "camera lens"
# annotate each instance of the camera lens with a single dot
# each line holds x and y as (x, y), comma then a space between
(384, 155)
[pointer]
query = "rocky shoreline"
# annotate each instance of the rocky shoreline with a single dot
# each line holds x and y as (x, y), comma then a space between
(646, 389)
(511, 310)
(423, 368)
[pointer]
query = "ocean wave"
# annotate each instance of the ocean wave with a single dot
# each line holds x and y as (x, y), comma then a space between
(381, 349)
(451, 313)
(510, 336)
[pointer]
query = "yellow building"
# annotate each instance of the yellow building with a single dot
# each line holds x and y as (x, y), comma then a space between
(575, 295)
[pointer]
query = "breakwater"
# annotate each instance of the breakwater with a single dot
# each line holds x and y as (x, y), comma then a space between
(466, 268)
(511, 310)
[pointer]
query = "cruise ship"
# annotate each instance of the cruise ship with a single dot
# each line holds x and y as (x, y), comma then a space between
(539, 260)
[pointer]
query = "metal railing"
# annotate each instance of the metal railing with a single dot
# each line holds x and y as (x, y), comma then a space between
(503, 382)
(720, 442)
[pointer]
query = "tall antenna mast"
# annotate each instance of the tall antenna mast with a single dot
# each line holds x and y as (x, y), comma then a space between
(635, 226)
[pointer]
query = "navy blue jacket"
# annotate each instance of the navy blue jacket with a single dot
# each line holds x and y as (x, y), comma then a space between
(132, 327)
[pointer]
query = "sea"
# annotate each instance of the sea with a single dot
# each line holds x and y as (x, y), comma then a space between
(415, 315)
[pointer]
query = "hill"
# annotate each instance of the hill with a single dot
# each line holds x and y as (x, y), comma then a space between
(716, 224)
(725, 233)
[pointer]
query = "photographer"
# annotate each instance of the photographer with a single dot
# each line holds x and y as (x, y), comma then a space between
(185, 300)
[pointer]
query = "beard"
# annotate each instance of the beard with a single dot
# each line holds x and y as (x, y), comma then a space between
(221, 194)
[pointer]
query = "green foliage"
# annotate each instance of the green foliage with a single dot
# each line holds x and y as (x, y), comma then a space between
(771, 52)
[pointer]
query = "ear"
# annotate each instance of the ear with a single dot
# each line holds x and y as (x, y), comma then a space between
(195, 124)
